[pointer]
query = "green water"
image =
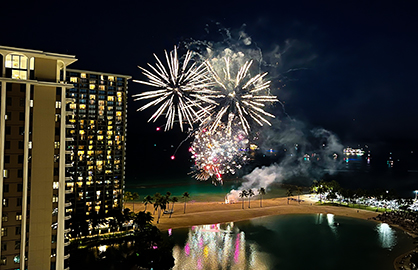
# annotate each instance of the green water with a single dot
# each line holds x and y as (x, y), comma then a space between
(291, 242)
(198, 190)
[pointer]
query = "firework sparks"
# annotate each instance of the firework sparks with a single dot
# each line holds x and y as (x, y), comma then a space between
(182, 90)
(240, 98)
(217, 153)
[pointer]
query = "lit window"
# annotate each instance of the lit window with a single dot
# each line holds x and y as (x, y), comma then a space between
(82, 106)
(73, 79)
(83, 75)
(73, 106)
(111, 78)
(57, 145)
(18, 64)
(110, 98)
(19, 74)
(99, 138)
(19, 216)
(5, 173)
(55, 185)
(58, 104)
(54, 198)
(16, 259)
(92, 86)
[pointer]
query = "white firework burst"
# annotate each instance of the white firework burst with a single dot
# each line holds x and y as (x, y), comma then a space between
(240, 98)
(182, 90)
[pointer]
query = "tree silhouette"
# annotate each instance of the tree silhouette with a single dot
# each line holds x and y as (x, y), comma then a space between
(185, 196)
(243, 194)
(173, 200)
(147, 200)
(261, 192)
(250, 194)
(289, 194)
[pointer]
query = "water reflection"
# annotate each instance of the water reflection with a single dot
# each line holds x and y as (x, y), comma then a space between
(218, 246)
(387, 236)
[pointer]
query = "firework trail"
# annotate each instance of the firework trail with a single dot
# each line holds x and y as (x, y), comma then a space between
(182, 90)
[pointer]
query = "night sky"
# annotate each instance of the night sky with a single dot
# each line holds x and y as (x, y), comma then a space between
(347, 67)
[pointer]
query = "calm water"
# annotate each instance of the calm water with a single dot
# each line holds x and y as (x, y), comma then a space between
(290, 242)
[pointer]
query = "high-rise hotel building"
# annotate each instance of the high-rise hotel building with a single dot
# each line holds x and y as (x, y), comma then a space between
(97, 137)
(62, 151)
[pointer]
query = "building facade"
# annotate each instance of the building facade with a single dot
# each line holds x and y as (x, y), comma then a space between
(62, 154)
(32, 165)
(96, 131)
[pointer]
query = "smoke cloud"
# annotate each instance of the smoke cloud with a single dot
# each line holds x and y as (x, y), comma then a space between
(299, 152)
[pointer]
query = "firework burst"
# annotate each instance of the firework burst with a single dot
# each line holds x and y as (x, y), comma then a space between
(240, 98)
(218, 152)
(181, 90)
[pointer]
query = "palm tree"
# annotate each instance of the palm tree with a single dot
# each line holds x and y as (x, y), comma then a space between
(143, 220)
(147, 200)
(155, 200)
(134, 197)
(168, 195)
(173, 200)
(288, 194)
(163, 206)
(261, 192)
(243, 194)
(250, 194)
(185, 196)
(299, 191)
(127, 196)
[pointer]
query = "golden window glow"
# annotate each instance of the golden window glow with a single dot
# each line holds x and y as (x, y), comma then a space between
(82, 106)
(92, 96)
(110, 98)
(102, 87)
(118, 113)
(100, 138)
(92, 86)
(73, 79)
(82, 132)
(108, 171)
(83, 75)
(90, 153)
(80, 153)
(111, 78)
(73, 106)
(19, 74)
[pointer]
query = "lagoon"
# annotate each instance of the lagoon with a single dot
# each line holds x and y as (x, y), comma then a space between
(314, 241)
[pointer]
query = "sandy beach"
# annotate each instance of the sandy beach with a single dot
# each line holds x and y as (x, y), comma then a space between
(200, 213)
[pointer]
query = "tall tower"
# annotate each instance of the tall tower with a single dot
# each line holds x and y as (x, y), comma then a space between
(32, 159)
(96, 134)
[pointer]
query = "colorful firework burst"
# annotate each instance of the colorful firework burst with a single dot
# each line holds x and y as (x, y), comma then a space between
(218, 152)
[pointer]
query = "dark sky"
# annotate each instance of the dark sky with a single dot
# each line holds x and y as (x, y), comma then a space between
(354, 63)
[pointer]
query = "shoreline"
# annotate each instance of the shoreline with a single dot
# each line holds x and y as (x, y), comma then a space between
(213, 212)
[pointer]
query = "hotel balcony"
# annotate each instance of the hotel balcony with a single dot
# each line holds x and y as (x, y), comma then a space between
(68, 191)
(68, 204)
(66, 256)
(67, 217)
(67, 230)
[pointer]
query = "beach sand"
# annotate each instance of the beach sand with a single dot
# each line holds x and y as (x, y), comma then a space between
(201, 213)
